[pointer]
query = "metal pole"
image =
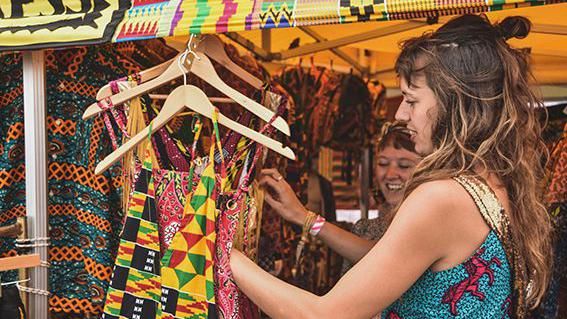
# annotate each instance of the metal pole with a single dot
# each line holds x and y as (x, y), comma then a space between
(338, 52)
(364, 60)
(365, 183)
(36, 172)
(355, 38)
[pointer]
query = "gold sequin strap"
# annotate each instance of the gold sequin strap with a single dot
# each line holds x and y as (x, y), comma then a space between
(495, 216)
(486, 201)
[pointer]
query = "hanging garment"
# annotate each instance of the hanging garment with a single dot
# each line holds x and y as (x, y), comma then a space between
(12, 164)
(187, 265)
(135, 288)
(236, 211)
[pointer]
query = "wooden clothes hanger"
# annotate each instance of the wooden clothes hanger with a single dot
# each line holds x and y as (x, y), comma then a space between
(213, 47)
(204, 69)
(157, 76)
(210, 45)
(193, 98)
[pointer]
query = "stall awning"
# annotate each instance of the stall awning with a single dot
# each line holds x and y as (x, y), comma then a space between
(26, 24)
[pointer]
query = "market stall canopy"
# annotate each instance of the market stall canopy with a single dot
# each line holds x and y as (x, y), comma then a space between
(55, 23)
(374, 46)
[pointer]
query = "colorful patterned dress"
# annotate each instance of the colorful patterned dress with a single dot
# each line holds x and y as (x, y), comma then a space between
(480, 287)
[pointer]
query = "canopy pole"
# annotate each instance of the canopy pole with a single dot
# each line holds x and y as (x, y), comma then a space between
(549, 29)
(35, 135)
(335, 43)
(366, 165)
(338, 52)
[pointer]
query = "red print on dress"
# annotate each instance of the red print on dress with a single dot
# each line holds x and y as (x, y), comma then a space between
(476, 268)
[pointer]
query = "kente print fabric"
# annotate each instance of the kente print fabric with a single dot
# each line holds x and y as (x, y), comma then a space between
(85, 215)
(135, 288)
(187, 265)
(46, 23)
(480, 287)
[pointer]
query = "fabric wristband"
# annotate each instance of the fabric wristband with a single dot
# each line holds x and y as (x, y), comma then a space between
(317, 225)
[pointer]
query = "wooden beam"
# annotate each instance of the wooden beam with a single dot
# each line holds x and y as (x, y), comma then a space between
(549, 29)
(18, 262)
(338, 52)
(249, 45)
(365, 36)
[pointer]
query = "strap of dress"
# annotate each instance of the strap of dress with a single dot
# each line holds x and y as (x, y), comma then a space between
(494, 215)
(486, 201)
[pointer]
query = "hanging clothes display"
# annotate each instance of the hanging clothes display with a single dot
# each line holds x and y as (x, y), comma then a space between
(171, 149)
(12, 166)
(84, 212)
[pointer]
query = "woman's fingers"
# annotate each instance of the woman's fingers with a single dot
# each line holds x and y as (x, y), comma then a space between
(271, 201)
(271, 183)
(273, 173)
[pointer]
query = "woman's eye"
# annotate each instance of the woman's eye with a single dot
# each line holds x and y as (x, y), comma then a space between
(405, 165)
(383, 164)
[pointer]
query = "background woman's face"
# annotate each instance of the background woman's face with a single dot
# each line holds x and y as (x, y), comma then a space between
(393, 169)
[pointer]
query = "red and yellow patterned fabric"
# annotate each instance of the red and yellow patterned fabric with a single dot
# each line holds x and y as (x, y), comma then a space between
(187, 265)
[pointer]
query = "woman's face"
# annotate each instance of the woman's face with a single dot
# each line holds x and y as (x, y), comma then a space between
(393, 169)
(418, 111)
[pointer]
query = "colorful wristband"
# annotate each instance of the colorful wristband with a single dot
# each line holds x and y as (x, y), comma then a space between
(317, 225)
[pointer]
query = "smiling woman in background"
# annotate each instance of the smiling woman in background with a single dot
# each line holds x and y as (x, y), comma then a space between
(395, 161)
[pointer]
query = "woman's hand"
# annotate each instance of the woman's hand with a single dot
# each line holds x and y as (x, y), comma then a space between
(281, 197)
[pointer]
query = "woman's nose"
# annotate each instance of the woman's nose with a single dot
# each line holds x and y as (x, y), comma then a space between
(402, 113)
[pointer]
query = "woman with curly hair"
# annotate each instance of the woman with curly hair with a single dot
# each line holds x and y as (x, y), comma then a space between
(471, 238)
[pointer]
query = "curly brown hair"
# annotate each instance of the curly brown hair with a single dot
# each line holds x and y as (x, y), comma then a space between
(486, 119)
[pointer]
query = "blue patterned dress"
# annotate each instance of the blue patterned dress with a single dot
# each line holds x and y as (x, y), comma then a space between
(480, 287)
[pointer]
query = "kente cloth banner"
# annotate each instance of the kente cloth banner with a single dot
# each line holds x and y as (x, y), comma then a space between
(27, 24)
(162, 18)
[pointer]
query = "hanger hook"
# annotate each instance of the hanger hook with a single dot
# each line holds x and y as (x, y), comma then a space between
(184, 57)
(181, 65)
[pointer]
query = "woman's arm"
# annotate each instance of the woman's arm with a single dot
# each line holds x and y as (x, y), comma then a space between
(414, 241)
(345, 243)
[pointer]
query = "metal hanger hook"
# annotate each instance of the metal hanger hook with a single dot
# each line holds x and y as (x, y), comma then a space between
(181, 65)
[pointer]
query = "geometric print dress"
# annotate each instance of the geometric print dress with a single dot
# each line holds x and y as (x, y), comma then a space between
(180, 284)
